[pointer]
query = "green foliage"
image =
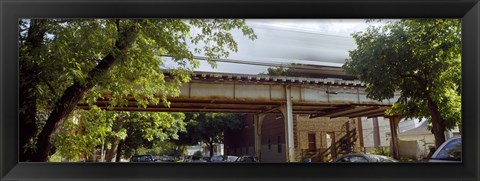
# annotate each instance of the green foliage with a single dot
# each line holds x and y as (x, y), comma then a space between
(80, 134)
(94, 127)
(55, 158)
(381, 151)
(418, 57)
(285, 71)
(149, 130)
(164, 148)
(209, 127)
(280, 71)
(71, 48)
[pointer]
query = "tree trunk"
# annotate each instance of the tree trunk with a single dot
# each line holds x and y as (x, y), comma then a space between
(113, 150)
(438, 125)
(28, 110)
(119, 151)
(211, 149)
(76, 92)
(29, 79)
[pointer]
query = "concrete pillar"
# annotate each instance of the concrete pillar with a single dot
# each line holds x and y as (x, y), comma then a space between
(394, 151)
(258, 120)
(288, 115)
(360, 141)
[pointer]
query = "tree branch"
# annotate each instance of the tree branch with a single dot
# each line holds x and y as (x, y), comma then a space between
(48, 85)
(416, 77)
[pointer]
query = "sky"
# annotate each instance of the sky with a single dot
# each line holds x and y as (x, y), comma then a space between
(285, 41)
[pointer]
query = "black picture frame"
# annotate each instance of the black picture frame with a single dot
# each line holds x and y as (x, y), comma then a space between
(12, 11)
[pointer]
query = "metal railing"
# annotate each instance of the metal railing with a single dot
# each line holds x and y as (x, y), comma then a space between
(341, 146)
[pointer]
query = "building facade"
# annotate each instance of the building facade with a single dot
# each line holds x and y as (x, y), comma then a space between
(314, 138)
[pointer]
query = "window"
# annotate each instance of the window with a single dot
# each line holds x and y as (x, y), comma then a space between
(246, 150)
(279, 145)
(311, 142)
(240, 159)
(248, 159)
(451, 151)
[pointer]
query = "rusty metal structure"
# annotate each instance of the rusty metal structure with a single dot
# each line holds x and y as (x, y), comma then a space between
(243, 93)
(262, 94)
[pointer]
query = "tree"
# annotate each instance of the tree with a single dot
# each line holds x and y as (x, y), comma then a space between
(286, 71)
(421, 59)
(150, 130)
(209, 127)
(117, 132)
(81, 60)
(30, 43)
(276, 71)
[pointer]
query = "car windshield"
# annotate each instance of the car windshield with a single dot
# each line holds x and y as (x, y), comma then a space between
(451, 151)
(231, 158)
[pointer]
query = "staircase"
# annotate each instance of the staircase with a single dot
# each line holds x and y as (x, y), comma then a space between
(342, 146)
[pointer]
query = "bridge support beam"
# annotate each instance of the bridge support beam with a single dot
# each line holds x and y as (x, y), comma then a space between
(288, 115)
(258, 120)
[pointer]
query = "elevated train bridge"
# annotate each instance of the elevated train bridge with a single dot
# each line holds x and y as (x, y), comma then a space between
(263, 94)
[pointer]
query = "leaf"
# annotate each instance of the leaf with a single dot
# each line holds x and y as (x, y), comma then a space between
(420, 58)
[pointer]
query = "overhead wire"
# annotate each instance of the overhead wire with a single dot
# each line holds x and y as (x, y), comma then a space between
(267, 64)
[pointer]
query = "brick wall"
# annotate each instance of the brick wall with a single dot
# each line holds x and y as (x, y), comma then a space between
(273, 132)
(320, 127)
(236, 143)
(273, 128)
(242, 141)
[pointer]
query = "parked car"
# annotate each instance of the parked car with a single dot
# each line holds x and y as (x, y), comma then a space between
(449, 151)
(166, 158)
(223, 158)
(366, 158)
(192, 158)
(217, 159)
(142, 158)
(205, 159)
(230, 158)
(247, 158)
